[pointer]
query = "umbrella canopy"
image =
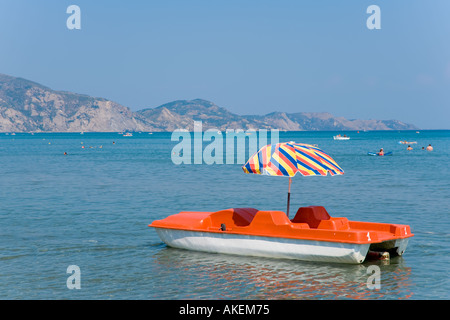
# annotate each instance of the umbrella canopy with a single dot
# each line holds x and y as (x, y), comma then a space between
(289, 158)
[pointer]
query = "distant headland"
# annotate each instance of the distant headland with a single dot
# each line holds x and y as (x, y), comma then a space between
(26, 106)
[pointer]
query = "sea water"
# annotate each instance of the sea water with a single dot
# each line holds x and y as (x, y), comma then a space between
(91, 208)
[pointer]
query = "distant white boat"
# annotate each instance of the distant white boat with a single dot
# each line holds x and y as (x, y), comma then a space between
(128, 134)
(339, 137)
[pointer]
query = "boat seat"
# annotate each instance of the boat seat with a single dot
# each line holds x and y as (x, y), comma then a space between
(311, 215)
(317, 217)
(243, 216)
(234, 217)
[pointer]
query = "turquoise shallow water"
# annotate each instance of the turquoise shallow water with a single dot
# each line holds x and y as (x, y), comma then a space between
(92, 208)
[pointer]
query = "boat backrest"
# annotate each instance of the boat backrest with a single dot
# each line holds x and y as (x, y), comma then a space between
(311, 215)
(240, 217)
(269, 219)
(244, 216)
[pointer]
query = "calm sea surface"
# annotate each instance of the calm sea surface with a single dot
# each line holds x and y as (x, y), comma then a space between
(92, 207)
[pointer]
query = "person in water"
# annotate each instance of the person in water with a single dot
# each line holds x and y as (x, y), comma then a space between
(429, 148)
(409, 148)
(381, 153)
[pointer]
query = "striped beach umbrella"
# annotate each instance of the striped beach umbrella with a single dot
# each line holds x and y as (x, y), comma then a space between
(288, 159)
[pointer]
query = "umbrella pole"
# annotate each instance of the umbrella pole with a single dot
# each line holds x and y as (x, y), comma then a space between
(289, 197)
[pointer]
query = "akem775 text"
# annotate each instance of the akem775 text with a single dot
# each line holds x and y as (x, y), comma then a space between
(233, 309)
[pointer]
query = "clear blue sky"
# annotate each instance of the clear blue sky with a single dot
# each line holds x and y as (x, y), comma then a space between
(252, 57)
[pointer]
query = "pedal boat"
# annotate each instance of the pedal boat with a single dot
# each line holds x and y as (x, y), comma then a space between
(312, 235)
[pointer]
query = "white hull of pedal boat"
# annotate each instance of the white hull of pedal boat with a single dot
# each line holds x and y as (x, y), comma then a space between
(248, 245)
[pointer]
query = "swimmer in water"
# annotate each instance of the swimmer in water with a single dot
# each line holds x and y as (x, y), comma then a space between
(409, 148)
(381, 153)
(429, 148)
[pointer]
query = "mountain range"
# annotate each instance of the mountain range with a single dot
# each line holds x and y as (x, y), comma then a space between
(27, 106)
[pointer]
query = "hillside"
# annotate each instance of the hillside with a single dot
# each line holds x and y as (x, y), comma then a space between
(182, 113)
(26, 106)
